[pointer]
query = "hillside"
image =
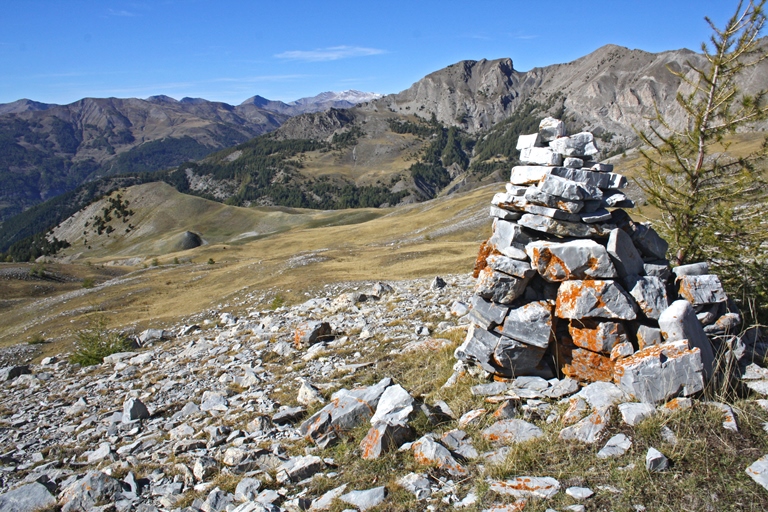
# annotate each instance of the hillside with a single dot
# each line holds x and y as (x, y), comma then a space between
(277, 251)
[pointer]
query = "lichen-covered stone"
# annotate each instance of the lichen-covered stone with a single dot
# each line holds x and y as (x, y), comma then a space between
(577, 259)
(658, 373)
(594, 299)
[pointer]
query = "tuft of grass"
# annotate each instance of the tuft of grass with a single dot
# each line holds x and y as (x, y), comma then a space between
(88, 283)
(37, 339)
(95, 343)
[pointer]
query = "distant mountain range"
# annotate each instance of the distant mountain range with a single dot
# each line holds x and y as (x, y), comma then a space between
(48, 149)
(449, 131)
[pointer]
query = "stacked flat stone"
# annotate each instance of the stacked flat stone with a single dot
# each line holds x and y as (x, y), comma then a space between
(566, 286)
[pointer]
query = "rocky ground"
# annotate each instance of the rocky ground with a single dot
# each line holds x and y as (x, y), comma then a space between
(351, 400)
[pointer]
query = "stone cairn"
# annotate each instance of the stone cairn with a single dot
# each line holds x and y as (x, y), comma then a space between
(566, 287)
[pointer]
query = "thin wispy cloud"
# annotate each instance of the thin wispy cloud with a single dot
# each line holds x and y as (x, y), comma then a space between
(256, 79)
(121, 13)
(330, 53)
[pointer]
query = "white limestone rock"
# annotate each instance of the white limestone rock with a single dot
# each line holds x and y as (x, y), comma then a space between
(626, 257)
(577, 259)
(658, 373)
(679, 322)
(633, 413)
(551, 128)
(649, 293)
(655, 460)
(528, 141)
(580, 144)
(594, 299)
(616, 446)
(540, 156)
(701, 289)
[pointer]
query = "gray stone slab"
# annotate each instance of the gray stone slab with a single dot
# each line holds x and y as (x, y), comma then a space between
(537, 197)
(758, 471)
(530, 324)
(506, 233)
(531, 140)
(568, 189)
(27, 498)
(626, 258)
(588, 430)
(550, 129)
(577, 259)
(692, 269)
(515, 358)
(603, 180)
(679, 322)
(595, 335)
(510, 266)
(501, 213)
(579, 144)
(499, 287)
(659, 373)
(616, 446)
(701, 289)
(528, 174)
(478, 348)
(594, 299)
(650, 294)
(564, 228)
(540, 156)
(648, 336)
(512, 431)
(487, 314)
(648, 241)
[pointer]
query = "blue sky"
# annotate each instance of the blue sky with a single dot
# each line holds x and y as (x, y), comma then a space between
(226, 50)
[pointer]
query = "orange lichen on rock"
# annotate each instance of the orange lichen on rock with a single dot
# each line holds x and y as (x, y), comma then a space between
(486, 249)
(588, 366)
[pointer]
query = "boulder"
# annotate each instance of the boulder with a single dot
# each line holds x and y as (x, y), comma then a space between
(499, 287)
(27, 498)
(578, 259)
(679, 322)
(626, 258)
(701, 289)
(383, 437)
(310, 332)
(596, 335)
(658, 373)
(593, 299)
(530, 324)
(650, 294)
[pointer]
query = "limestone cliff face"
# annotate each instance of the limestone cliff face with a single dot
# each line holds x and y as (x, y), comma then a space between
(611, 89)
(476, 94)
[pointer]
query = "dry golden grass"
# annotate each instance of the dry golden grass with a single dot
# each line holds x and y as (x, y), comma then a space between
(306, 250)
